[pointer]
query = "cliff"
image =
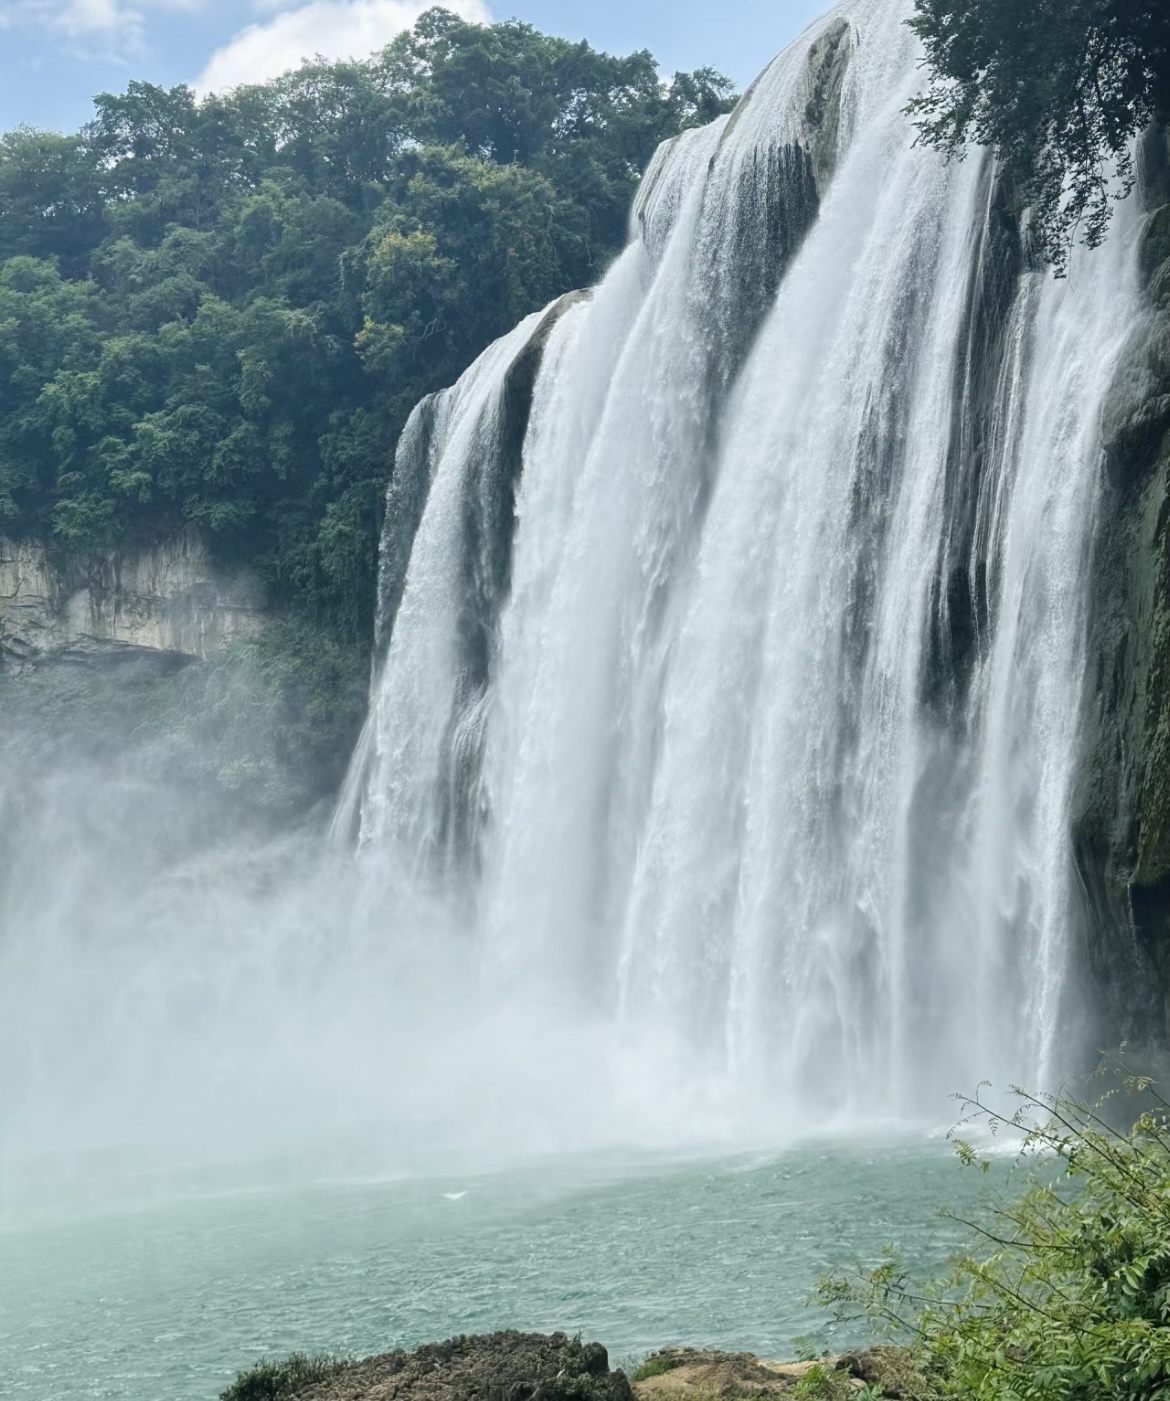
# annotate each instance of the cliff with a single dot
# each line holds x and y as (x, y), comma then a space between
(167, 598)
(1121, 822)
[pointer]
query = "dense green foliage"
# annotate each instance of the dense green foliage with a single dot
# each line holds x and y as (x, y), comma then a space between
(1067, 1295)
(1059, 88)
(220, 312)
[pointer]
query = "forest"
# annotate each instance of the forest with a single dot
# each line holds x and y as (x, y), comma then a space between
(219, 312)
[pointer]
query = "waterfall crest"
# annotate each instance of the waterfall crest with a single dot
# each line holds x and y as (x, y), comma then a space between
(730, 680)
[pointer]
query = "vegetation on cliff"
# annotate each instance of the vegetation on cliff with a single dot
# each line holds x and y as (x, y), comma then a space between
(220, 311)
(1059, 90)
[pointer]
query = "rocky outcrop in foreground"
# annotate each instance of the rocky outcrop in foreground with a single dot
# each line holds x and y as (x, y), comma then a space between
(689, 1374)
(498, 1367)
(532, 1367)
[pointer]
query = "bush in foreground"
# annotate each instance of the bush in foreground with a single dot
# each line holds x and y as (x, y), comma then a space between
(1066, 1294)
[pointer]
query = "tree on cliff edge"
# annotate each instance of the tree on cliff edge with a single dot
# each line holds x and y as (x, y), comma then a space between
(1058, 88)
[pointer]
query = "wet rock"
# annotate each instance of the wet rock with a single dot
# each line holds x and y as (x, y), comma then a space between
(1154, 248)
(1121, 826)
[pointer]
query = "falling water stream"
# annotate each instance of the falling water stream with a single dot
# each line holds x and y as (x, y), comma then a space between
(763, 736)
(715, 795)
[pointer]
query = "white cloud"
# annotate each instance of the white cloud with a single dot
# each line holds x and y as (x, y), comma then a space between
(91, 16)
(99, 28)
(335, 29)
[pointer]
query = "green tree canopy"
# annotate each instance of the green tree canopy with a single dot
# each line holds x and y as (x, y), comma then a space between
(1058, 88)
(220, 311)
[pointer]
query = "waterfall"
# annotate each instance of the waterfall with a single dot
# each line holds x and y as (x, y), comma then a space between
(730, 683)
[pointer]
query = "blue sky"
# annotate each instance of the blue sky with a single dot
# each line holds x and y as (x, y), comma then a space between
(55, 54)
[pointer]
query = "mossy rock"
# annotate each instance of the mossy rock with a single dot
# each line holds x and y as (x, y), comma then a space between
(1154, 248)
(1135, 434)
(693, 1374)
(1154, 166)
(690, 1374)
(506, 1366)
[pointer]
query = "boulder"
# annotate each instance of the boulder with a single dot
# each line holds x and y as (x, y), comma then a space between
(505, 1366)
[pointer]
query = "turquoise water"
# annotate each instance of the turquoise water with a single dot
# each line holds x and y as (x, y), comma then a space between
(168, 1294)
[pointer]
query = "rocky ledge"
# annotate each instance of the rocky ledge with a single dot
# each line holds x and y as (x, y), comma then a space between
(171, 598)
(533, 1367)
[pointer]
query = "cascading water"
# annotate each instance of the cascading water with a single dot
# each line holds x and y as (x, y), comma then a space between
(717, 787)
(733, 680)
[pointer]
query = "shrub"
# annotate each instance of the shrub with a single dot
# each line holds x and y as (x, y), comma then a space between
(269, 1380)
(657, 1365)
(1066, 1291)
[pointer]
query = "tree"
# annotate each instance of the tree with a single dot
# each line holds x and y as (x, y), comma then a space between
(50, 200)
(1058, 88)
(473, 246)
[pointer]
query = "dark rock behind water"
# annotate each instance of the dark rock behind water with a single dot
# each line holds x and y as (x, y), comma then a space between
(1122, 813)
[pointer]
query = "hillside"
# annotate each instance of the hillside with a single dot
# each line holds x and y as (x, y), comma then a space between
(218, 313)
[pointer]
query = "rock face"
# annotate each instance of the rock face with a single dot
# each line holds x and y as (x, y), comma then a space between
(170, 598)
(1122, 814)
(767, 175)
